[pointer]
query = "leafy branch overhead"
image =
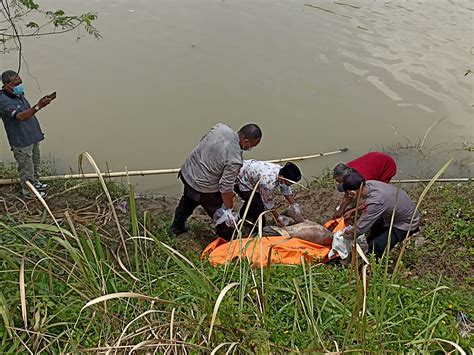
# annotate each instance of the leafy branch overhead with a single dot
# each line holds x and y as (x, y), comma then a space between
(25, 18)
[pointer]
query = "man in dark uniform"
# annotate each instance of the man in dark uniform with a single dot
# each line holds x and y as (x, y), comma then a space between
(23, 129)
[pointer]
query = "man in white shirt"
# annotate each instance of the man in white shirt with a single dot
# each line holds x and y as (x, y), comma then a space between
(268, 176)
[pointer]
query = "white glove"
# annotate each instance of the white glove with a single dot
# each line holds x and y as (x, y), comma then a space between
(227, 216)
(281, 221)
(296, 209)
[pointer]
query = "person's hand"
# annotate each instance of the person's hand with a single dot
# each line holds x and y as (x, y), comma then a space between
(296, 209)
(280, 221)
(349, 214)
(337, 214)
(44, 101)
(227, 216)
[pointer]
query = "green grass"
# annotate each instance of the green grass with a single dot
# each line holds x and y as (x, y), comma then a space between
(306, 307)
(446, 246)
(192, 306)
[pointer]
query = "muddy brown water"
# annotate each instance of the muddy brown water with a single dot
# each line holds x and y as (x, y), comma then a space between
(316, 75)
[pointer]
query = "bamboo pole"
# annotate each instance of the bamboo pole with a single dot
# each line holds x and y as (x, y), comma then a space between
(414, 181)
(155, 172)
(305, 157)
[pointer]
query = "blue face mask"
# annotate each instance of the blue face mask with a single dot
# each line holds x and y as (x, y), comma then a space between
(19, 89)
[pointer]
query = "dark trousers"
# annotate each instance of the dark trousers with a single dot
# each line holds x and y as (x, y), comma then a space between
(256, 205)
(378, 240)
(192, 199)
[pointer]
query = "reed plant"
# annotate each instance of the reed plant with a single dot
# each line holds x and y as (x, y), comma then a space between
(67, 287)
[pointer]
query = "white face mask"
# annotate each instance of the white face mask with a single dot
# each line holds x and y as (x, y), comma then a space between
(248, 149)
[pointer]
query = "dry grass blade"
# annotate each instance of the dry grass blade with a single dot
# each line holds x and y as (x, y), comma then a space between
(144, 343)
(362, 254)
(231, 346)
(117, 345)
(124, 295)
(22, 292)
(112, 209)
(171, 328)
(109, 198)
(124, 268)
(438, 340)
(218, 303)
(428, 132)
(43, 202)
(364, 283)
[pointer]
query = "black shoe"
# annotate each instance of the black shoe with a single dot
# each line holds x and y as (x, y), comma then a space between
(176, 229)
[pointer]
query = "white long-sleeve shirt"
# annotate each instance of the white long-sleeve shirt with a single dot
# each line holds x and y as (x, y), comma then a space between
(254, 170)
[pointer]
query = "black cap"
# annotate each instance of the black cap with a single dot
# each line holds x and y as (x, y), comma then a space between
(290, 171)
(353, 182)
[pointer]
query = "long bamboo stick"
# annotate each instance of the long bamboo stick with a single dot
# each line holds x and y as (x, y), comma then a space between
(155, 172)
(305, 157)
(414, 181)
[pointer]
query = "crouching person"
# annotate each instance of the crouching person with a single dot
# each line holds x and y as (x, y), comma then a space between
(269, 177)
(209, 174)
(380, 200)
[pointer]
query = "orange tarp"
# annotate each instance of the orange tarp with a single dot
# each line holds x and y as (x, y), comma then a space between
(280, 250)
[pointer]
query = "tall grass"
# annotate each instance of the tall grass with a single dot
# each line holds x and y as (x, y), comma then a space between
(66, 289)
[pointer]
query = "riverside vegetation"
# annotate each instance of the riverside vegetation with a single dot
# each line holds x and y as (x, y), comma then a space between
(79, 274)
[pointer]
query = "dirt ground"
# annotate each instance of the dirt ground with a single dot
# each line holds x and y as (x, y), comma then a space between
(86, 203)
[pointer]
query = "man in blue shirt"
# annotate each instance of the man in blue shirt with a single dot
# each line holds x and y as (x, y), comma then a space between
(23, 129)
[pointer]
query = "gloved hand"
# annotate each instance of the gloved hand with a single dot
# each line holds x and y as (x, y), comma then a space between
(348, 232)
(281, 221)
(337, 213)
(296, 209)
(349, 214)
(227, 216)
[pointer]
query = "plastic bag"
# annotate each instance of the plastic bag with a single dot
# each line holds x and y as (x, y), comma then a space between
(343, 246)
(227, 216)
(340, 245)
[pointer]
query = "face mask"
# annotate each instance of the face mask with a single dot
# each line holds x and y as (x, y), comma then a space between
(19, 89)
(249, 148)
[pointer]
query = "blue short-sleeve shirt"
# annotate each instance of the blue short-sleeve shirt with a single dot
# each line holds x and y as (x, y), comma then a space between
(20, 133)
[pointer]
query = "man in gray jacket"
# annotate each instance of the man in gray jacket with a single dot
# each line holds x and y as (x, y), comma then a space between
(380, 199)
(209, 174)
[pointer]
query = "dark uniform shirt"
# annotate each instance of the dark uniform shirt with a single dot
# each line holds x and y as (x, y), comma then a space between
(380, 202)
(20, 133)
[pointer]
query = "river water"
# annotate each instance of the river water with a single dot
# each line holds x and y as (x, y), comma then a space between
(315, 75)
